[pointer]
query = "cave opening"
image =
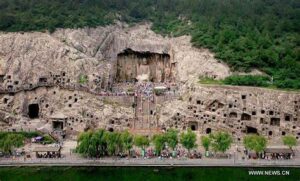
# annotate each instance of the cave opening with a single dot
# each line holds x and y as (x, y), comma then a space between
(42, 80)
(193, 126)
(245, 117)
(251, 130)
(233, 115)
(58, 125)
(287, 117)
(133, 66)
(275, 122)
(33, 111)
(1, 78)
(208, 130)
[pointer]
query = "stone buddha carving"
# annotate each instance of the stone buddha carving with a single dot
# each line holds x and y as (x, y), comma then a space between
(143, 71)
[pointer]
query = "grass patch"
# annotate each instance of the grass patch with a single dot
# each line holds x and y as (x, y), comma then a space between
(246, 80)
(208, 80)
(23, 133)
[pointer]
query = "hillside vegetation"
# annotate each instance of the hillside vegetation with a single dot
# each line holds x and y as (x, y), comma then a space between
(245, 34)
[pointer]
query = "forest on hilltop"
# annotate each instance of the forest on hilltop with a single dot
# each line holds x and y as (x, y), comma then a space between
(246, 34)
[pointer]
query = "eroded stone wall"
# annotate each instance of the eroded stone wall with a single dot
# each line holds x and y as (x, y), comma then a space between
(239, 110)
(77, 110)
(72, 80)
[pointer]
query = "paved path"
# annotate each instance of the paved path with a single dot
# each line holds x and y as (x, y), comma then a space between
(151, 162)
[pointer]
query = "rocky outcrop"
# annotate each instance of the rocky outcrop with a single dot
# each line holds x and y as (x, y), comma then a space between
(239, 110)
(79, 79)
(27, 57)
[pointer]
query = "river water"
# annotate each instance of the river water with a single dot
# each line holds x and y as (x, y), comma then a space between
(147, 173)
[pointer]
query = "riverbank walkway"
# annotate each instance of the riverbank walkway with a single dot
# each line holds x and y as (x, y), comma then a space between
(205, 162)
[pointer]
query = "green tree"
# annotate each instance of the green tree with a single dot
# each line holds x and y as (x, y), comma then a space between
(91, 144)
(114, 142)
(100, 142)
(248, 80)
(159, 141)
(255, 142)
(11, 141)
(206, 141)
(127, 140)
(141, 141)
(84, 146)
(221, 141)
(289, 141)
(172, 138)
(188, 140)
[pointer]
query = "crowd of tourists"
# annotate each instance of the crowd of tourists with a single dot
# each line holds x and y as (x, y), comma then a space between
(49, 155)
(280, 155)
(164, 154)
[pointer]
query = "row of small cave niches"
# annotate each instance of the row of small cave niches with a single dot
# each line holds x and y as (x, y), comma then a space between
(126, 122)
(12, 84)
(211, 114)
(243, 116)
(214, 106)
(179, 119)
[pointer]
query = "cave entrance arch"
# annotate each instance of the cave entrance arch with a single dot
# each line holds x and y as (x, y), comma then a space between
(33, 111)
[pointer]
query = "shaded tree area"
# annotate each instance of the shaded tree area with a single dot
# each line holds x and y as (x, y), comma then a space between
(262, 34)
(255, 143)
(10, 141)
(248, 80)
(101, 142)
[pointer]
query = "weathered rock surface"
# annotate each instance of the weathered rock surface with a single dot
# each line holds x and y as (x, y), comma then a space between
(239, 110)
(71, 79)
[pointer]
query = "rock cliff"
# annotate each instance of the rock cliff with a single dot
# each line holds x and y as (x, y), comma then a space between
(80, 79)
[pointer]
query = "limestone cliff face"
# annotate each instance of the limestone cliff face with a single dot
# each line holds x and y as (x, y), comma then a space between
(239, 110)
(26, 57)
(72, 78)
(107, 43)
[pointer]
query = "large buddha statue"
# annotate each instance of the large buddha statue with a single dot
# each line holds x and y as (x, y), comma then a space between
(143, 71)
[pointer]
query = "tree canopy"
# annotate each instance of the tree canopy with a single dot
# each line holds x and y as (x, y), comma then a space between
(188, 139)
(141, 141)
(289, 141)
(126, 140)
(221, 141)
(159, 141)
(172, 138)
(11, 141)
(206, 142)
(114, 142)
(255, 142)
